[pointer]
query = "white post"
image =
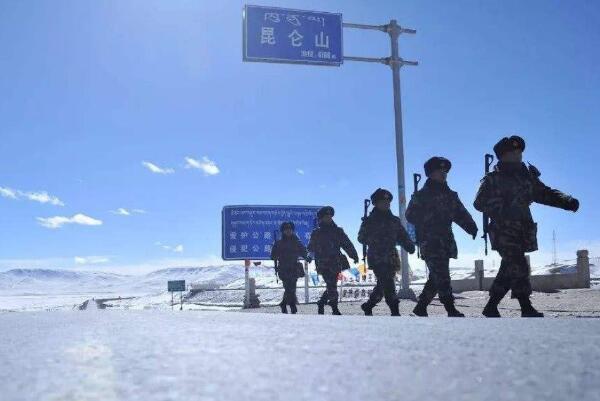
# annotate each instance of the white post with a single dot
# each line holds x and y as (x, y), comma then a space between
(583, 268)
(479, 274)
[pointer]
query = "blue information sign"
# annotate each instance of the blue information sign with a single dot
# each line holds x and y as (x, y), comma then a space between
(249, 231)
(282, 35)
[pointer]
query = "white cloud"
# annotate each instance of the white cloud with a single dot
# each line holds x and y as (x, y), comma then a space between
(157, 170)
(208, 166)
(59, 221)
(174, 248)
(90, 260)
(125, 212)
(300, 171)
(8, 193)
(43, 197)
(39, 196)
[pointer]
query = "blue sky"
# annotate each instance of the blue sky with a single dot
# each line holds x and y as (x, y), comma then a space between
(91, 90)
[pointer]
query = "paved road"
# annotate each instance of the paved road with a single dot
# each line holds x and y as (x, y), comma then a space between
(163, 355)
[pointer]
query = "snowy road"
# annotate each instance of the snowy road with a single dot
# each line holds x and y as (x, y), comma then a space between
(164, 355)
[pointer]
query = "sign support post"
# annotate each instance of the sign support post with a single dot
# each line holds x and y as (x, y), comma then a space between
(306, 297)
(395, 62)
(247, 283)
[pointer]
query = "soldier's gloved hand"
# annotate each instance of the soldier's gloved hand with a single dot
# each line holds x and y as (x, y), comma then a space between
(410, 248)
(355, 261)
(308, 259)
(573, 205)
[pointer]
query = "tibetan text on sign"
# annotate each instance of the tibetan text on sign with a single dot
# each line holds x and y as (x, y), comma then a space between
(250, 231)
(292, 36)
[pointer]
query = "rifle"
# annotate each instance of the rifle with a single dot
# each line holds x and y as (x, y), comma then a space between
(416, 180)
(364, 250)
(489, 159)
(275, 260)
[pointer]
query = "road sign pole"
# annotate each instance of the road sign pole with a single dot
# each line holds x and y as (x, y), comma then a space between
(247, 283)
(395, 62)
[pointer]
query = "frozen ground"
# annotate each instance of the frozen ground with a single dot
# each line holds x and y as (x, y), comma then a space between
(163, 355)
(59, 289)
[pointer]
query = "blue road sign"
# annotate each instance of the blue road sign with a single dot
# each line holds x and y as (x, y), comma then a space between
(176, 286)
(249, 231)
(281, 35)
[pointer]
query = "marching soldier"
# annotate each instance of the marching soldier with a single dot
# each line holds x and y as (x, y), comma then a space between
(285, 253)
(325, 243)
(432, 210)
(505, 195)
(381, 231)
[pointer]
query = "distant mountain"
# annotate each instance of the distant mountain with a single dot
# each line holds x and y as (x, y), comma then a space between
(42, 281)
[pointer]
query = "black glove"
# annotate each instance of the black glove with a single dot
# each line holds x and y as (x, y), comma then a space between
(573, 205)
(355, 260)
(308, 259)
(474, 233)
(410, 248)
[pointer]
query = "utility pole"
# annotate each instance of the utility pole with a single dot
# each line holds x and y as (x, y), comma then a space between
(394, 62)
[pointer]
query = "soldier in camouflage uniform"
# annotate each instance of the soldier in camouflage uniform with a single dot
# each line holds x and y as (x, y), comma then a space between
(505, 195)
(286, 252)
(381, 231)
(325, 243)
(432, 210)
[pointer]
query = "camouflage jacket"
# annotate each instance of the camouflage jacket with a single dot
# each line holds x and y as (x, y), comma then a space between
(381, 232)
(325, 243)
(286, 252)
(505, 195)
(432, 210)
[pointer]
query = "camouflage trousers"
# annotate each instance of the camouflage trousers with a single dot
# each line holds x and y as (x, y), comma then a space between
(289, 293)
(513, 275)
(438, 281)
(330, 295)
(385, 288)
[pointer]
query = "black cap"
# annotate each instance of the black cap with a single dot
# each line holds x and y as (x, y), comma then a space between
(437, 163)
(325, 210)
(287, 224)
(508, 144)
(380, 194)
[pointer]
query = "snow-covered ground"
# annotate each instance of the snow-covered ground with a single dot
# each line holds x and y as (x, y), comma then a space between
(47, 289)
(162, 355)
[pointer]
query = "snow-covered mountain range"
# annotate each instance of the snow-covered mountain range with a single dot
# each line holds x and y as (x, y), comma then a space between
(52, 281)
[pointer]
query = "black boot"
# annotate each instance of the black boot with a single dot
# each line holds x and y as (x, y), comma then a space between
(421, 309)
(451, 309)
(491, 308)
(395, 309)
(335, 310)
(367, 308)
(293, 308)
(283, 307)
(321, 307)
(527, 310)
